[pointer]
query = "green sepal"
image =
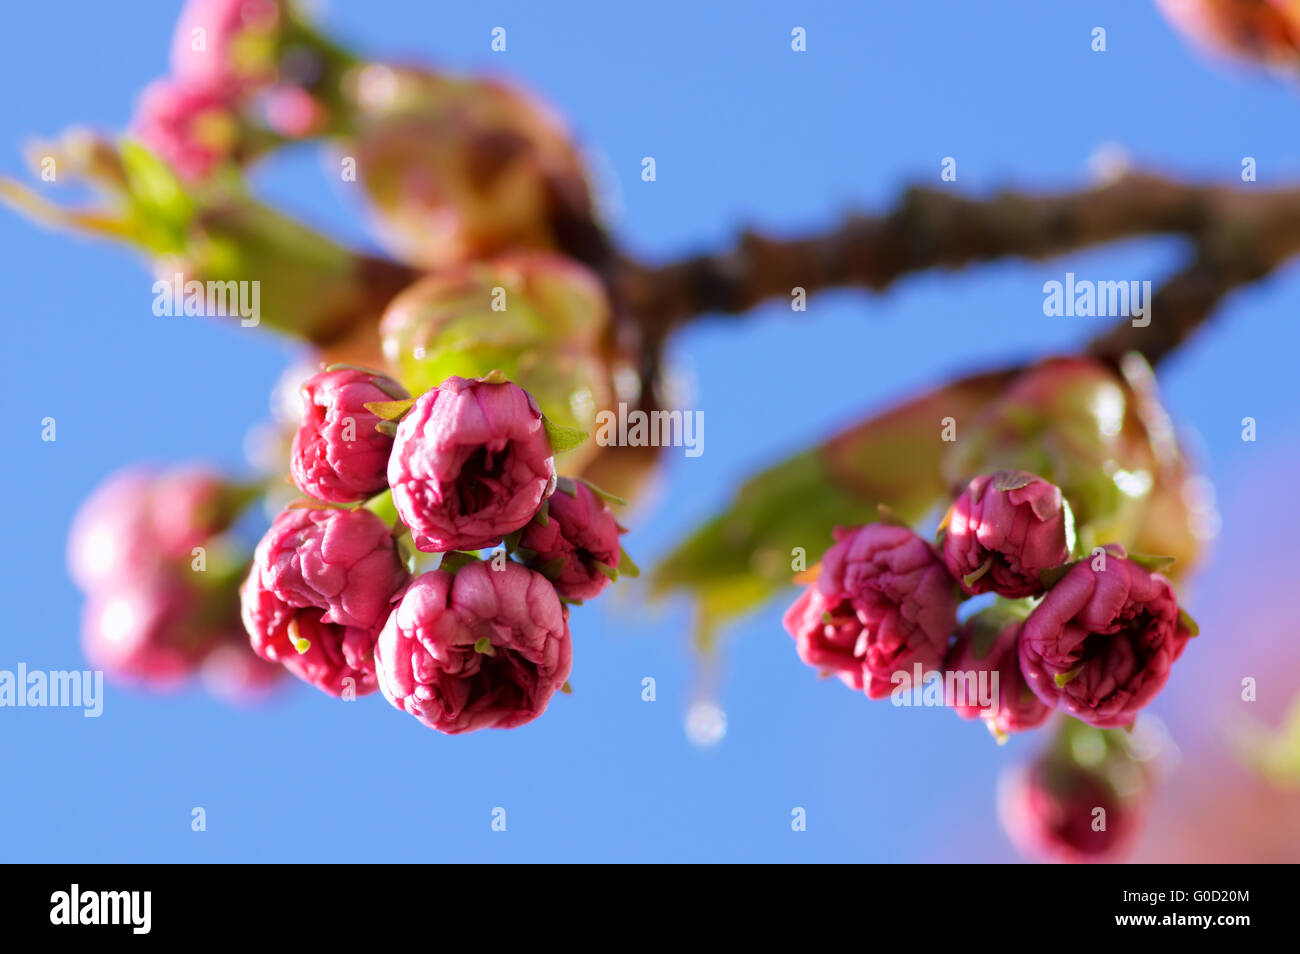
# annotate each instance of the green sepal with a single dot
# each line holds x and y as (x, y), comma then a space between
(1008, 480)
(604, 495)
(563, 438)
(626, 565)
(1155, 564)
(455, 559)
(389, 410)
(1049, 578)
(551, 568)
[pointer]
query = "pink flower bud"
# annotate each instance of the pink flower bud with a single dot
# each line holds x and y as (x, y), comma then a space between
(147, 631)
(1055, 810)
(471, 463)
(481, 649)
(137, 521)
(1264, 30)
(191, 125)
(336, 659)
(986, 647)
(1004, 529)
(217, 41)
(344, 562)
(569, 545)
(1102, 641)
(337, 453)
(294, 113)
(883, 602)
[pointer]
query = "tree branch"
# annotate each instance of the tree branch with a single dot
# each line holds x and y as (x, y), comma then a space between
(1239, 234)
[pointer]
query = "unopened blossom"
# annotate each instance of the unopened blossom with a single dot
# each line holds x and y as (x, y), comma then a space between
(574, 542)
(338, 660)
(883, 603)
(140, 519)
(1003, 530)
(338, 455)
(1057, 810)
(471, 463)
(226, 42)
(1101, 643)
(192, 126)
(537, 317)
(480, 648)
(148, 632)
(343, 562)
(986, 647)
(458, 169)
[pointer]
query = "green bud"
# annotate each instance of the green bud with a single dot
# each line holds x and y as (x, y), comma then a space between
(1076, 423)
(537, 318)
(458, 169)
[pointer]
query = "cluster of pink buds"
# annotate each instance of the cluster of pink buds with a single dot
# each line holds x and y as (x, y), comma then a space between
(474, 643)
(244, 75)
(146, 549)
(1094, 638)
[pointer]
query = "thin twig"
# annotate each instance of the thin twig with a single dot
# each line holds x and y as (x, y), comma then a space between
(1239, 234)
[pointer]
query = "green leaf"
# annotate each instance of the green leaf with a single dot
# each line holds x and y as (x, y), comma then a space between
(388, 428)
(606, 569)
(1189, 624)
(563, 438)
(741, 557)
(153, 186)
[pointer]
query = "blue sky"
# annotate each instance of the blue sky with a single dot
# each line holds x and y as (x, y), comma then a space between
(744, 132)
